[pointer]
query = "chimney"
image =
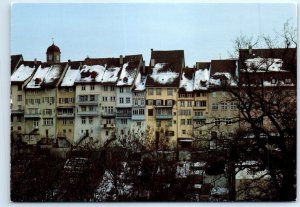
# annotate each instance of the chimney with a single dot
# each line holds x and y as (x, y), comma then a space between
(152, 63)
(144, 68)
(80, 64)
(250, 49)
(35, 61)
(121, 59)
(151, 50)
(69, 61)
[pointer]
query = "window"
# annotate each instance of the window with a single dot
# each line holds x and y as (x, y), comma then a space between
(128, 100)
(170, 91)
(158, 102)
(105, 88)
(19, 118)
(121, 100)
(83, 120)
(190, 103)
(47, 111)
(189, 95)
(182, 95)
(217, 122)
(104, 98)
(19, 128)
(64, 121)
(139, 123)
(150, 112)
(83, 88)
(169, 123)
(158, 91)
(106, 133)
(112, 88)
(143, 102)
(121, 90)
(214, 107)
(182, 103)
(200, 103)
(189, 121)
(223, 106)
(158, 123)
(19, 97)
(198, 113)
(90, 120)
(150, 102)
(48, 122)
(233, 106)
(288, 80)
(228, 121)
(92, 87)
(183, 131)
(182, 122)
(35, 123)
(185, 112)
(136, 102)
(169, 102)
(150, 91)
(123, 121)
(19, 87)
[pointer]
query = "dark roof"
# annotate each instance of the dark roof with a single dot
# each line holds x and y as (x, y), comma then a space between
(222, 66)
(174, 60)
(14, 61)
(170, 56)
(288, 55)
(53, 48)
(75, 64)
(103, 61)
(188, 73)
(202, 65)
(129, 58)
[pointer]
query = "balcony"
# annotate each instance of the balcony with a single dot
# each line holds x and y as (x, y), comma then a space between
(138, 117)
(108, 114)
(87, 102)
(108, 126)
(163, 116)
(88, 113)
(198, 117)
(18, 111)
(123, 115)
(65, 115)
(32, 115)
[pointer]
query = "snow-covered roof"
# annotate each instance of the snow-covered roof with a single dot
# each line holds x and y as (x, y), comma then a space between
(201, 79)
(215, 79)
(71, 75)
(259, 64)
(140, 82)
(22, 73)
(38, 77)
(53, 74)
(110, 74)
(186, 83)
(127, 75)
(165, 76)
(91, 73)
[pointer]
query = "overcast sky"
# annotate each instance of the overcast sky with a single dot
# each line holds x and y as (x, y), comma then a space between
(203, 31)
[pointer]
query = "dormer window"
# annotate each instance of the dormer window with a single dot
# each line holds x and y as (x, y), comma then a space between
(273, 81)
(288, 80)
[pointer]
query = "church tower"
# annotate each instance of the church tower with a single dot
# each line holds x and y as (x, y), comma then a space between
(53, 54)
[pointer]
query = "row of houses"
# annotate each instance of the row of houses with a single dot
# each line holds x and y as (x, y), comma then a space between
(98, 98)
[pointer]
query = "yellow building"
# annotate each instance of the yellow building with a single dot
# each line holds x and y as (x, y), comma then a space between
(161, 94)
(65, 102)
